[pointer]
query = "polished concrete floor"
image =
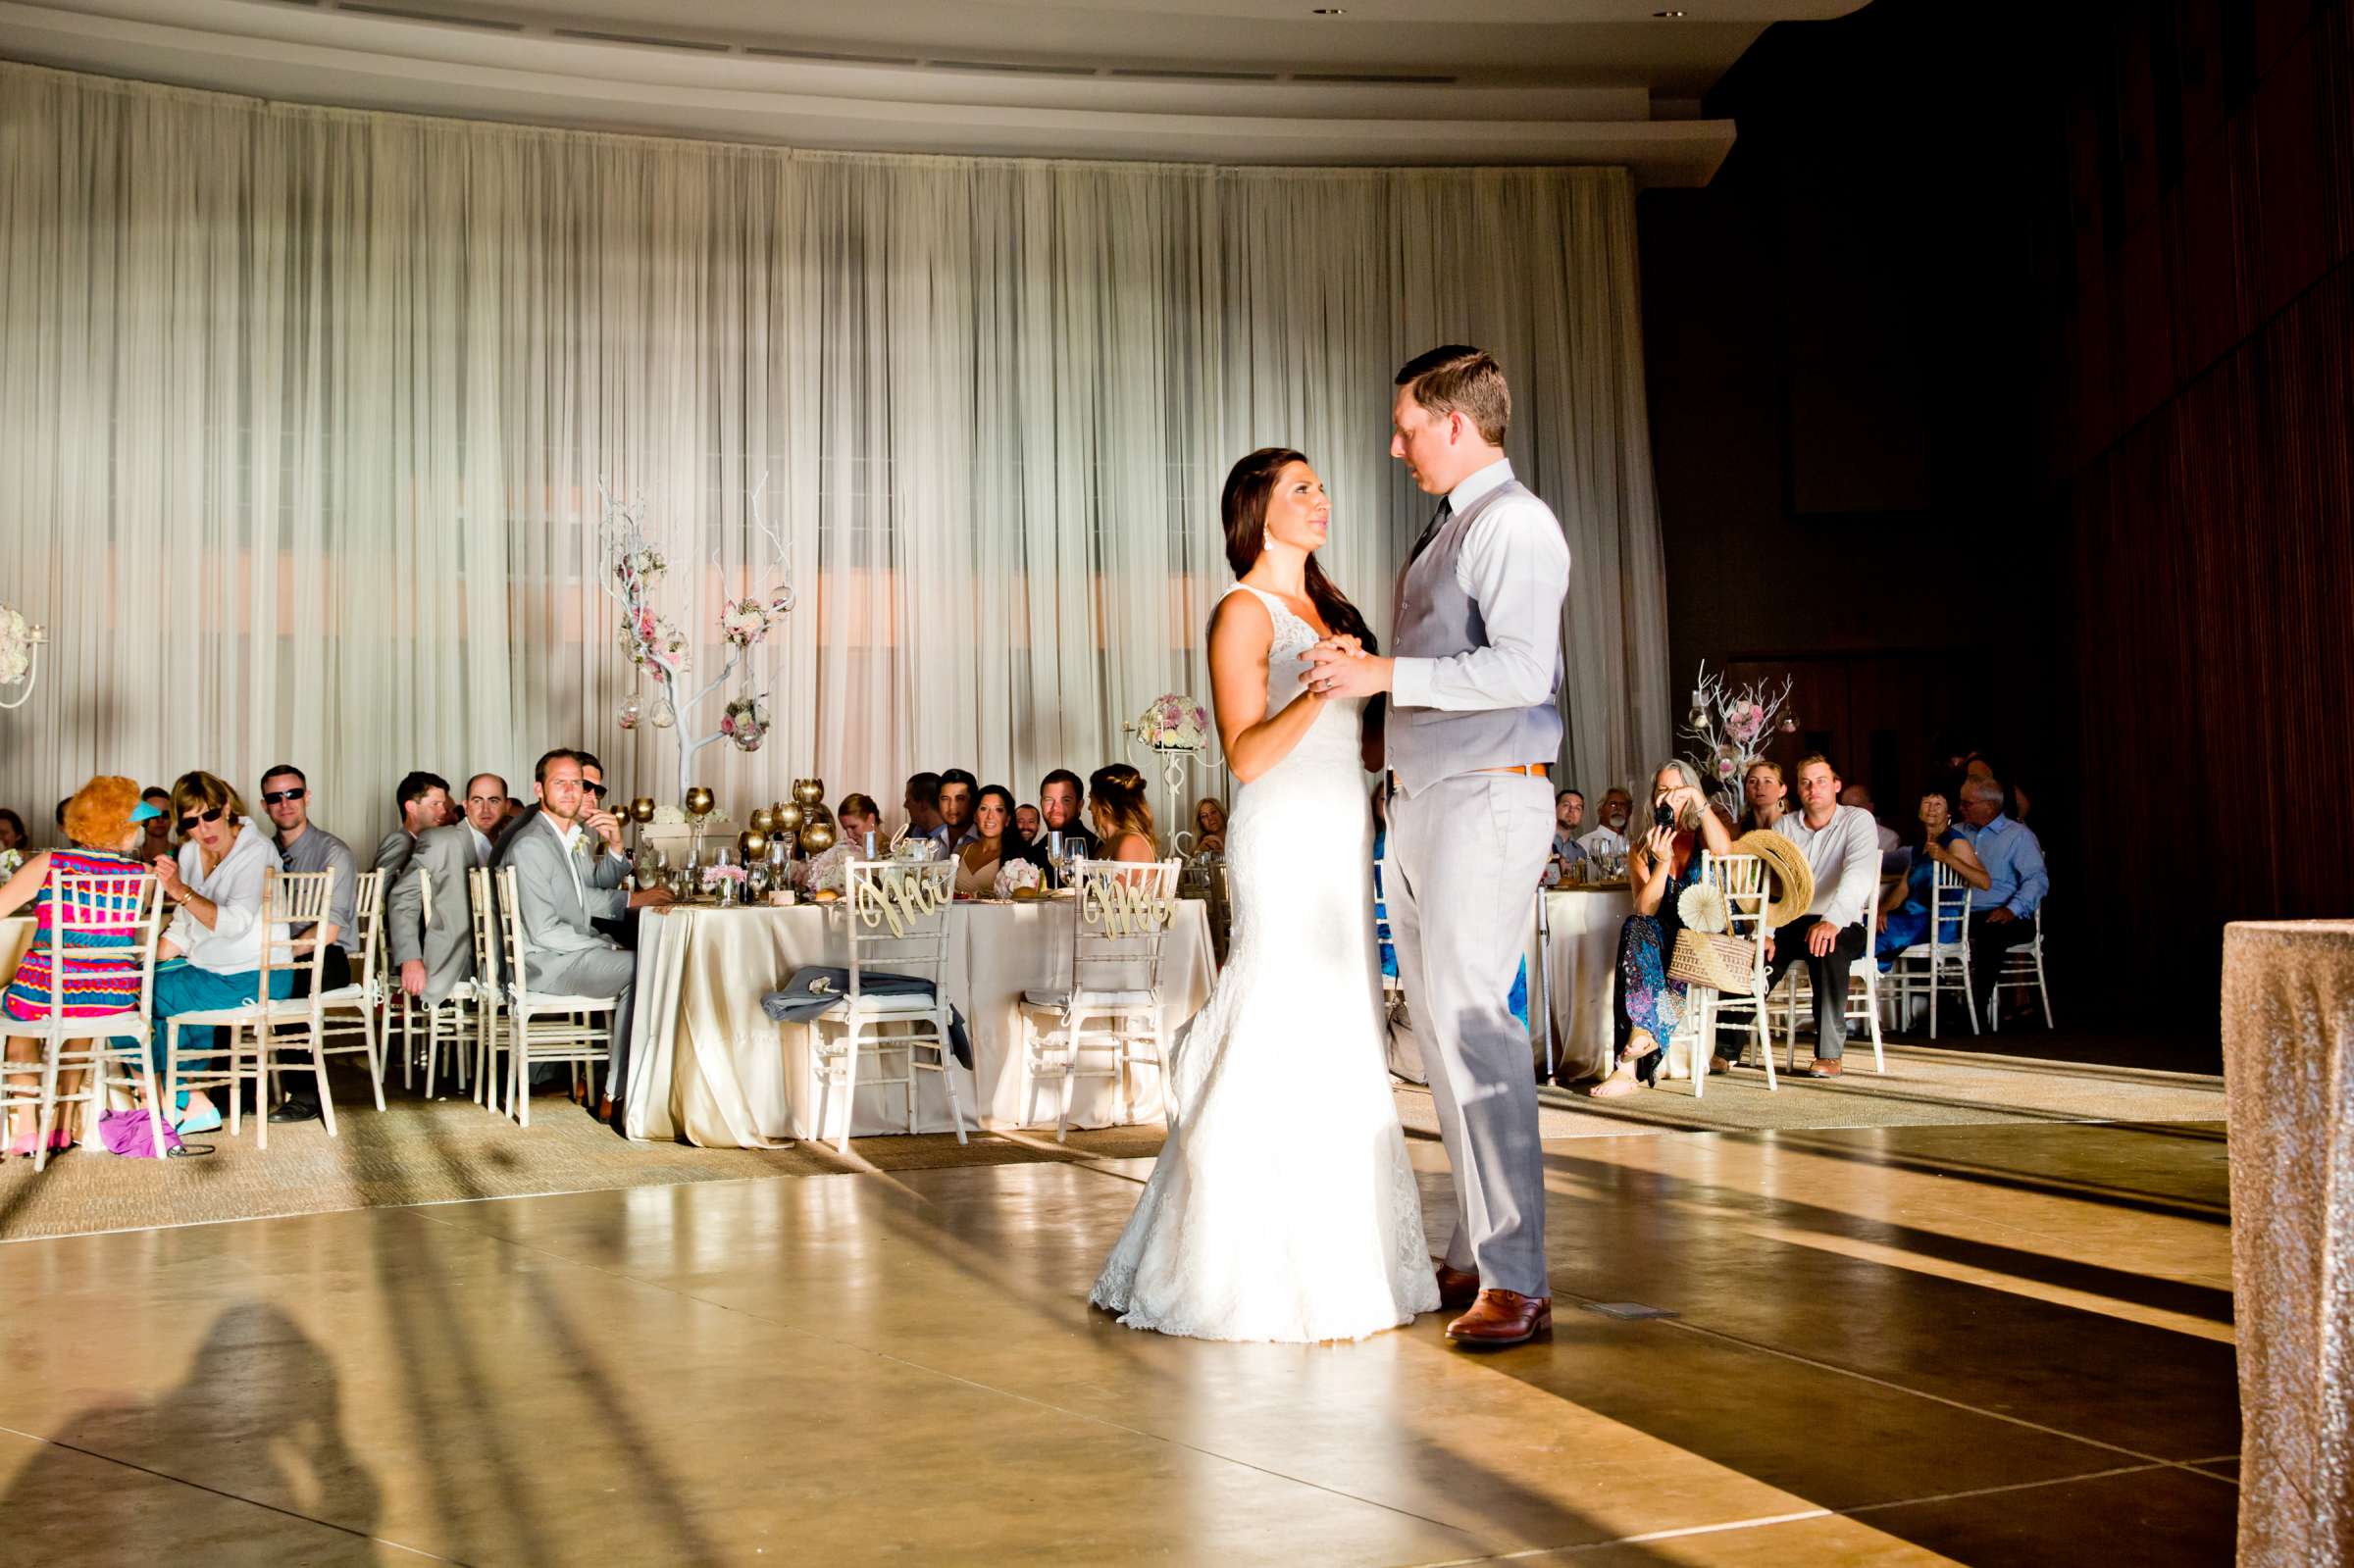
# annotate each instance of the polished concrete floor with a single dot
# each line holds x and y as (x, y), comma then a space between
(1983, 1345)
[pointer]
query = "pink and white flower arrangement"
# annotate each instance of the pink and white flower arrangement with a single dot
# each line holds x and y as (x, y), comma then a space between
(1016, 874)
(1173, 723)
(746, 722)
(713, 875)
(743, 621)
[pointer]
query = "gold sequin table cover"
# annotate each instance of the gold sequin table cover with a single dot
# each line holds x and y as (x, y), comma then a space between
(2288, 1071)
(708, 1065)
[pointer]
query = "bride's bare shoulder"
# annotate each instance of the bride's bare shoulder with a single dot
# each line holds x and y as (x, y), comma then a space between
(1240, 622)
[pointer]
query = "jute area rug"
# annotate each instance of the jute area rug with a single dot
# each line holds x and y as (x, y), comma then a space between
(451, 1150)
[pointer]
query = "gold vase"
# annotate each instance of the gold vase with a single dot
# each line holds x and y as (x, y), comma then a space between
(763, 820)
(789, 818)
(817, 837)
(642, 810)
(809, 791)
(698, 801)
(752, 843)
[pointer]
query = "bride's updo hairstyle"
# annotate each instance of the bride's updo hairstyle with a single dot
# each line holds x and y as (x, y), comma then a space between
(1120, 790)
(1243, 510)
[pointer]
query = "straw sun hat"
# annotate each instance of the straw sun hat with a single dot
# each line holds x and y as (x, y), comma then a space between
(1793, 880)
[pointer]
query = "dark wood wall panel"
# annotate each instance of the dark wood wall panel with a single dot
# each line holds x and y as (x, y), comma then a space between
(2203, 324)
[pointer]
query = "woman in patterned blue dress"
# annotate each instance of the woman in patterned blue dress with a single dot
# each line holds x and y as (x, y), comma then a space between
(1660, 866)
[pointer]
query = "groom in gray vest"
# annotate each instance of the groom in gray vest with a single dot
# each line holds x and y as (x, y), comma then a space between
(1471, 730)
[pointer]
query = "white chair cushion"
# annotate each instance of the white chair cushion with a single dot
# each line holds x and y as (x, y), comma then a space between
(344, 997)
(542, 1002)
(1059, 1000)
(870, 1005)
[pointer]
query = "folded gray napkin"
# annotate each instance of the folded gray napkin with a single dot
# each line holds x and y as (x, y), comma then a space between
(817, 988)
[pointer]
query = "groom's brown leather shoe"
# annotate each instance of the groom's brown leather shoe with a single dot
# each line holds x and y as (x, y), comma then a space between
(1457, 1287)
(1501, 1317)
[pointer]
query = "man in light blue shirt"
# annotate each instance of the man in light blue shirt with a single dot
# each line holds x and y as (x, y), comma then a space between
(2003, 917)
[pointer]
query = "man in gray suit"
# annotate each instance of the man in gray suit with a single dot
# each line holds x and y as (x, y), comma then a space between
(423, 801)
(559, 900)
(434, 955)
(1471, 728)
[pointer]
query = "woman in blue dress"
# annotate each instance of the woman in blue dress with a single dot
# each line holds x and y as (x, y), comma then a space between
(1904, 917)
(1660, 866)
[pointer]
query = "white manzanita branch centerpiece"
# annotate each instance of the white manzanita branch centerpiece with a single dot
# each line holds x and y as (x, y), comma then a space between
(655, 646)
(20, 657)
(1731, 727)
(1175, 728)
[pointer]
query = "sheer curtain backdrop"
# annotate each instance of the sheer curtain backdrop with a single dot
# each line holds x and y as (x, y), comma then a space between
(302, 414)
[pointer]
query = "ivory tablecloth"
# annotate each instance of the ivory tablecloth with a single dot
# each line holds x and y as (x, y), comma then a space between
(1582, 960)
(2288, 1074)
(1581, 955)
(708, 1065)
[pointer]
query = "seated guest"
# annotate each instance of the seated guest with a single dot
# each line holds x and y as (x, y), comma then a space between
(1123, 820)
(434, 956)
(557, 905)
(11, 832)
(1844, 854)
(1858, 796)
(921, 802)
(608, 862)
(1610, 837)
(1904, 919)
(1764, 794)
(215, 889)
(1059, 800)
(107, 822)
(2002, 915)
(1569, 820)
(1025, 822)
(1210, 827)
(977, 862)
(423, 801)
(159, 826)
(1659, 868)
(857, 817)
(957, 788)
(285, 796)
(486, 803)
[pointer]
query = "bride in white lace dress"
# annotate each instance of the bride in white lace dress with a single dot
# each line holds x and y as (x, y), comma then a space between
(1283, 1206)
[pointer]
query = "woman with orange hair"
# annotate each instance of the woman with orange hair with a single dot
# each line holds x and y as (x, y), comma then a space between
(99, 973)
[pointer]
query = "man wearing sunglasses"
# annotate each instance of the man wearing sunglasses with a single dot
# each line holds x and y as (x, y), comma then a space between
(423, 801)
(286, 797)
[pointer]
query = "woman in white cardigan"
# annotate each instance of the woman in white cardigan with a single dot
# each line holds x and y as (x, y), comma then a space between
(215, 889)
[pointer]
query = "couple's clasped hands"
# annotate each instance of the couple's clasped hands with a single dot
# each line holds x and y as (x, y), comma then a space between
(1340, 667)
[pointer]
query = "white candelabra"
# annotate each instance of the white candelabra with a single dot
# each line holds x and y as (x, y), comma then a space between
(20, 657)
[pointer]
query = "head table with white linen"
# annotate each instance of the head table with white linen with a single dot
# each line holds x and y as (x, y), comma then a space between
(1581, 952)
(711, 1066)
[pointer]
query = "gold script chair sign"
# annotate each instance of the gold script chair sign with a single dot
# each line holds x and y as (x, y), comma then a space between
(900, 895)
(1111, 1022)
(1127, 903)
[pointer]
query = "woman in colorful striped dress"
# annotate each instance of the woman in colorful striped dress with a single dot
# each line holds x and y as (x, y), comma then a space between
(106, 820)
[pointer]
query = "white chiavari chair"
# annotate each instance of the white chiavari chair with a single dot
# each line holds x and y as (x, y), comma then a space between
(487, 988)
(2021, 970)
(1113, 1007)
(899, 922)
(542, 1027)
(249, 1040)
(1941, 963)
(353, 1020)
(119, 916)
(1748, 893)
(1862, 1004)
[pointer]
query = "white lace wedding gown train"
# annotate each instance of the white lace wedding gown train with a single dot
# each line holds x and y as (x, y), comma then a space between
(1283, 1206)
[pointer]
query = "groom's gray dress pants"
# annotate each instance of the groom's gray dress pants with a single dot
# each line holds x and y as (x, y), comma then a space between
(1464, 855)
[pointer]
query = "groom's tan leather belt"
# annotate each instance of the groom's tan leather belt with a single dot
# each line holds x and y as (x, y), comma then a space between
(1527, 770)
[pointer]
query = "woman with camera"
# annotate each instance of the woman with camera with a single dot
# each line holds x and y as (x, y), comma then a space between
(1660, 866)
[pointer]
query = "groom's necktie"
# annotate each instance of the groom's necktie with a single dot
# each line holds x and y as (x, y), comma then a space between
(1438, 520)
